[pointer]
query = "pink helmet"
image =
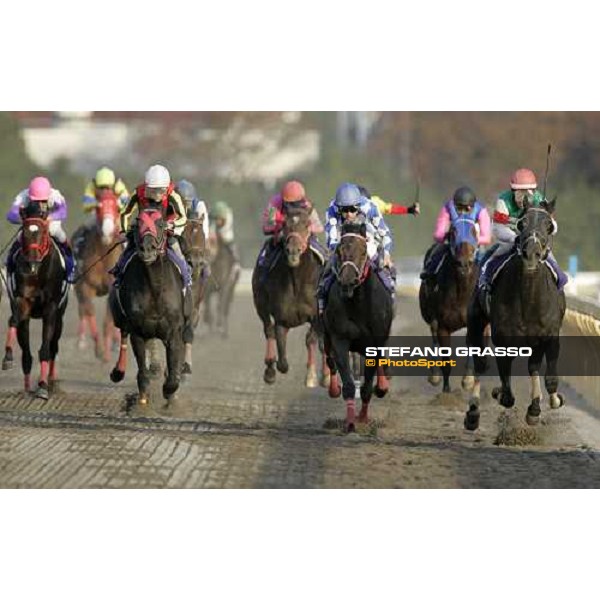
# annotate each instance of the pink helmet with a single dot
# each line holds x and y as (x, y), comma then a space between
(39, 189)
(523, 179)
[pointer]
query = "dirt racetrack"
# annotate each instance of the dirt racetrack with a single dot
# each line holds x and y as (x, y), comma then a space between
(230, 429)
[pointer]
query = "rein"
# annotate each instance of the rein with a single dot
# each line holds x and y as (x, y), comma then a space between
(361, 271)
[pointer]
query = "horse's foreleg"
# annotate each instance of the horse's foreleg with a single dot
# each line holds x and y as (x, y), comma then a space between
(476, 326)
(445, 342)
(366, 391)
(434, 376)
(383, 383)
(11, 336)
(341, 348)
(333, 384)
(174, 352)
(270, 353)
(138, 345)
(108, 332)
(281, 338)
(551, 378)
(45, 355)
(504, 394)
(311, 363)
(26, 357)
(53, 371)
(118, 373)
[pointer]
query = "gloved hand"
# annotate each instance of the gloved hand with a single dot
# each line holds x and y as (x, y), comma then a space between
(414, 209)
(387, 260)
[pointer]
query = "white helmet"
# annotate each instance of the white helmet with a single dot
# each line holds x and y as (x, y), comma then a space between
(157, 176)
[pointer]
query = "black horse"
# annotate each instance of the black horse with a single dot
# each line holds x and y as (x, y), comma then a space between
(358, 314)
(38, 290)
(149, 304)
(526, 310)
(444, 304)
(287, 298)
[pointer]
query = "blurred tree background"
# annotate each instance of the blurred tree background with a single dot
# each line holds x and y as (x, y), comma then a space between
(443, 149)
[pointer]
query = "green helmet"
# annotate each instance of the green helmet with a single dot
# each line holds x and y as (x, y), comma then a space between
(220, 210)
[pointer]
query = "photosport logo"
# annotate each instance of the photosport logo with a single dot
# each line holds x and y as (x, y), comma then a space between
(415, 356)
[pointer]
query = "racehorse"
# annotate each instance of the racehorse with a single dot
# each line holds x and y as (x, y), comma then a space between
(358, 314)
(526, 310)
(444, 307)
(148, 303)
(286, 298)
(38, 290)
(224, 277)
(92, 248)
(196, 243)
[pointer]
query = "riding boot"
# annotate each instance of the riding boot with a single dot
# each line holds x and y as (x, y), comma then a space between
(117, 270)
(69, 260)
(562, 278)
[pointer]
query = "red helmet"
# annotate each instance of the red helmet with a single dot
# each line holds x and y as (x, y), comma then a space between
(293, 191)
(523, 179)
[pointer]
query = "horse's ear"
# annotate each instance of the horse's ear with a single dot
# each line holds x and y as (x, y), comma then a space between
(363, 229)
(549, 205)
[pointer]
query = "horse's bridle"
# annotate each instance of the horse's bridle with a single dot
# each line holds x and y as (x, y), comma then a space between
(303, 240)
(534, 235)
(360, 271)
(462, 220)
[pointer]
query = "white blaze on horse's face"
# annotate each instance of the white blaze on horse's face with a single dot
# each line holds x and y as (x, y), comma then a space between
(108, 229)
(33, 228)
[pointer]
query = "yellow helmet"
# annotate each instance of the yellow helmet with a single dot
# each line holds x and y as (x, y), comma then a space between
(105, 177)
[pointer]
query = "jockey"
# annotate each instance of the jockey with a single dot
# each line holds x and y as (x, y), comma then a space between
(157, 191)
(293, 195)
(221, 227)
(464, 204)
(105, 179)
(510, 207)
(350, 205)
(195, 208)
(389, 208)
(40, 190)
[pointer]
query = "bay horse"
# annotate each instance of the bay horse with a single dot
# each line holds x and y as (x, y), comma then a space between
(444, 306)
(358, 313)
(287, 297)
(38, 290)
(196, 243)
(148, 304)
(526, 310)
(224, 277)
(91, 245)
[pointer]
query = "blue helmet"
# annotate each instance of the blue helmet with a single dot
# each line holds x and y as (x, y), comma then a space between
(348, 194)
(186, 190)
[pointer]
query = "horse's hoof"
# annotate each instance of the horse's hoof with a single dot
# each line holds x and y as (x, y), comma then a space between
(81, 344)
(325, 380)
(311, 379)
(335, 390)
(143, 399)
(187, 369)
(556, 401)
(7, 364)
(117, 375)
(468, 382)
(350, 428)
(533, 412)
(471, 421)
(42, 392)
(283, 366)
(379, 392)
(269, 375)
(169, 389)
(507, 400)
(434, 380)
(446, 389)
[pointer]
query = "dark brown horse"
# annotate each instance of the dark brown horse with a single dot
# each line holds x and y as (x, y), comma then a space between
(149, 304)
(444, 304)
(91, 245)
(225, 274)
(287, 298)
(38, 290)
(358, 314)
(527, 310)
